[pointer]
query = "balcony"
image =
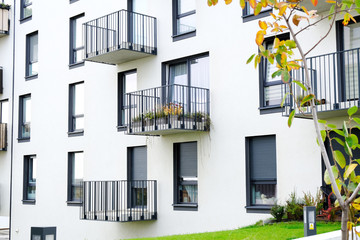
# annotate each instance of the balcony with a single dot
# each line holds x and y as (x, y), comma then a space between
(168, 109)
(4, 20)
(335, 81)
(3, 136)
(120, 37)
(119, 201)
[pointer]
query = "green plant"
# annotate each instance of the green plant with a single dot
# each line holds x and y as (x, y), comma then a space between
(4, 6)
(277, 211)
(294, 208)
(149, 115)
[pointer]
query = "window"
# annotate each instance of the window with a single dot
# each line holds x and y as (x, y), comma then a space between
(31, 55)
(76, 108)
(261, 172)
(76, 43)
(248, 13)
(127, 82)
(185, 176)
(4, 111)
(270, 88)
(184, 19)
(75, 176)
(29, 188)
(4, 118)
(24, 116)
(137, 176)
(26, 9)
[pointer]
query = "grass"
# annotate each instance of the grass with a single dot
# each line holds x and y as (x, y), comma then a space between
(278, 231)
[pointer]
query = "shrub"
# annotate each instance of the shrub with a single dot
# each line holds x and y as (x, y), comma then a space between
(277, 211)
(294, 208)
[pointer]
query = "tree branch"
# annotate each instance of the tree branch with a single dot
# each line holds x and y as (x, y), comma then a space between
(353, 195)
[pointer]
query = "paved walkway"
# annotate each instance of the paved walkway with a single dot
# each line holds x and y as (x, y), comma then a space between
(4, 234)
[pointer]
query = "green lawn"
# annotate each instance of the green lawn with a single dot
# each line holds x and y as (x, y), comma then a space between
(276, 231)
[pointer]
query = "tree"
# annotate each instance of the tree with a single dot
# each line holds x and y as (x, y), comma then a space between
(287, 16)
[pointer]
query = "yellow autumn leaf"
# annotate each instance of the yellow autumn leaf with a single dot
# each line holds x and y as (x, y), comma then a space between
(273, 15)
(296, 20)
(242, 4)
(228, 1)
(262, 25)
(260, 37)
(252, 3)
(305, 10)
(282, 10)
(276, 42)
(349, 170)
(356, 206)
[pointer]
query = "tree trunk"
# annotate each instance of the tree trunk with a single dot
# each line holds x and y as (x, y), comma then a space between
(344, 221)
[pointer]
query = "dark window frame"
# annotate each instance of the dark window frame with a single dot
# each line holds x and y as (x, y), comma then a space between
(71, 115)
(253, 208)
(247, 16)
(121, 126)
(263, 77)
(22, 11)
(72, 42)
(21, 123)
(28, 169)
(180, 36)
(70, 184)
(27, 57)
(177, 205)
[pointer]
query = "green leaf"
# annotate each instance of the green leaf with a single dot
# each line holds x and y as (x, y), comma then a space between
(340, 159)
(346, 133)
(349, 170)
(352, 110)
(250, 59)
(355, 140)
(257, 9)
(278, 59)
(351, 186)
(285, 76)
(307, 98)
(327, 177)
(261, 48)
(347, 149)
(357, 3)
(300, 85)
(339, 132)
(332, 9)
(349, 141)
(291, 117)
(284, 98)
(323, 135)
(290, 43)
(332, 126)
(357, 120)
(322, 121)
(277, 73)
(339, 141)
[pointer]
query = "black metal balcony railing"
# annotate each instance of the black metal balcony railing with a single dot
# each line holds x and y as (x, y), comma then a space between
(119, 201)
(335, 81)
(121, 30)
(167, 109)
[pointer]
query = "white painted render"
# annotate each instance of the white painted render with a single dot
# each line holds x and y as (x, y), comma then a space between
(234, 107)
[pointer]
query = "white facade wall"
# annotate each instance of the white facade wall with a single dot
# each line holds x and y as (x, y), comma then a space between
(234, 97)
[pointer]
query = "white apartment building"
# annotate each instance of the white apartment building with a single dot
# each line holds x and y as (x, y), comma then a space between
(138, 118)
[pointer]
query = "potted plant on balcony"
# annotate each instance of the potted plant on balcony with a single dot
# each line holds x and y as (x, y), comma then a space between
(4, 19)
(4, 6)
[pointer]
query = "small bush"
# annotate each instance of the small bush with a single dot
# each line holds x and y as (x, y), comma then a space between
(277, 211)
(294, 208)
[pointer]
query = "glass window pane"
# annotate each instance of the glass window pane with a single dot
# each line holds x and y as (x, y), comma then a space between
(352, 36)
(178, 74)
(200, 72)
(272, 95)
(263, 194)
(271, 68)
(186, 6)
(36, 237)
(50, 237)
(27, 110)
(33, 44)
(78, 123)
(27, 11)
(78, 171)
(130, 82)
(78, 32)
(188, 193)
(186, 24)
(79, 99)
(4, 112)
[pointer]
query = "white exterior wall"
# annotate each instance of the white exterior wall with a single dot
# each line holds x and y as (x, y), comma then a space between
(234, 90)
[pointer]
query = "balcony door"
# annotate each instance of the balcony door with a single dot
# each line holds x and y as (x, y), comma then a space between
(349, 59)
(137, 23)
(137, 176)
(192, 73)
